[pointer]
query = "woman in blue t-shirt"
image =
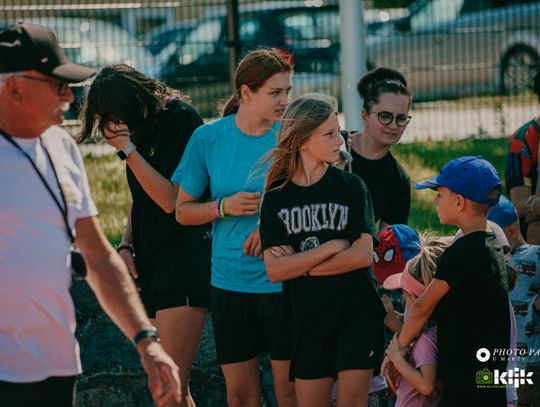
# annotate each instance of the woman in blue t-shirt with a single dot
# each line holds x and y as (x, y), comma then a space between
(225, 155)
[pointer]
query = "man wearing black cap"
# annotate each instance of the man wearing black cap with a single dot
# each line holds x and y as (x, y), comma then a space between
(45, 207)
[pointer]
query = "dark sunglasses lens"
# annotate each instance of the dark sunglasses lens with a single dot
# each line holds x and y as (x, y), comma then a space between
(385, 117)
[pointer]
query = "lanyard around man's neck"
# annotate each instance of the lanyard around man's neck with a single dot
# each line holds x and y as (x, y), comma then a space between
(63, 209)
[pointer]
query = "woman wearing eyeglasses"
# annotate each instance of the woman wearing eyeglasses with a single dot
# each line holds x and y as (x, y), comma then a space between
(385, 116)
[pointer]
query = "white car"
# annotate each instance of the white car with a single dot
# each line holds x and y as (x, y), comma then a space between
(450, 48)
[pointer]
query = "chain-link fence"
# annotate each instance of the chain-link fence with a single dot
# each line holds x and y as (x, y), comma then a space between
(482, 53)
(469, 63)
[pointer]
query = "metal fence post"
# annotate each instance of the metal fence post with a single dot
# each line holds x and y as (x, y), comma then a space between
(353, 59)
(233, 37)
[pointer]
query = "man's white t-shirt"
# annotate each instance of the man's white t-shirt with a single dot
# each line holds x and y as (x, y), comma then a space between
(37, 318)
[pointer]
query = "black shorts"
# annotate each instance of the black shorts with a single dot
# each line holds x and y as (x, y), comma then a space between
(182, 279)
(247, 324)
(460, 389)
(530, 393)
(350, 346)
(51, 392)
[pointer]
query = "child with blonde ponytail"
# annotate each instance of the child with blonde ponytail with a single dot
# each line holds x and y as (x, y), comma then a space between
(417, 365)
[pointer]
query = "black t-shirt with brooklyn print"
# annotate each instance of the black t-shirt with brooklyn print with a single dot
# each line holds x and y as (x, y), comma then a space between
(338, 206)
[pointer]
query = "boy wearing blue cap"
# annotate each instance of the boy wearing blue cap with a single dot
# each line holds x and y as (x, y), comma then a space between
(524, 297)
(468, 295)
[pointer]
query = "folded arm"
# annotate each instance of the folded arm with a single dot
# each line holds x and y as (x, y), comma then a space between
(293, 265)
(357, 256)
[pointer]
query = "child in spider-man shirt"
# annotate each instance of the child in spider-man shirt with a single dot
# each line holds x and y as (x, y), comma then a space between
(398, 244)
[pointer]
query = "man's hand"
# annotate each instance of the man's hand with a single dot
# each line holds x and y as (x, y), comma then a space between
(242, 204)
(163, 379)
(252, 245)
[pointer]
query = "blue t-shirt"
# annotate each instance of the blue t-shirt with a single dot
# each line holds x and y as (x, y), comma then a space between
(220, 155)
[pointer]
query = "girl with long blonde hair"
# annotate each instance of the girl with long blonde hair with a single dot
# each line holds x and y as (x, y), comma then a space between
(317, 234)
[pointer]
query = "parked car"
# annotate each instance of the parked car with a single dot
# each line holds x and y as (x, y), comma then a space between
(168, 34)
(96, 43)
(450, 48)
(200, 65)
(307, 31)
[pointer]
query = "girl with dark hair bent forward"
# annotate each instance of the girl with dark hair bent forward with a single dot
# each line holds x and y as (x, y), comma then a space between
(226, 155)
(317, 233)
(150, 125)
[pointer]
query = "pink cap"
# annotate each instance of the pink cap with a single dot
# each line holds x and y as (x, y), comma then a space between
(406, 281)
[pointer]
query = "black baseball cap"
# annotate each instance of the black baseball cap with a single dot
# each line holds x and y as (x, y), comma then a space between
(25, 47)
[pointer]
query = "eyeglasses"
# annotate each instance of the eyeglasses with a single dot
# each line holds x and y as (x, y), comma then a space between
(387, 118)
(62, 86)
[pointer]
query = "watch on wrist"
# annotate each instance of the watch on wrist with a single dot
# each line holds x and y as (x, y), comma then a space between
(126, 151)
(146, 333)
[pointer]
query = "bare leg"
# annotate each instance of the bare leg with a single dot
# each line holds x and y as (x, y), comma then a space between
(314, 393)
(243, 383)
(285, 394)
(353, 387)
(180, 329)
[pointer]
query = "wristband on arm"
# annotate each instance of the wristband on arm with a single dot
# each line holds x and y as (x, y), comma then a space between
(222, 213)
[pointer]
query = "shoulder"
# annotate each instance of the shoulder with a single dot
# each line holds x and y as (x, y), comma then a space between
(524, 133)
(213, 130)
(525, 253)
(182, 109)
(56, 134)
(428, 337)
(58, 140)
(352, 181)
(426, 341)
(402, 173)
(271, 196)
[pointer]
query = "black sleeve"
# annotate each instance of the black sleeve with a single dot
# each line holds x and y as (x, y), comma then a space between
(451, 267)
(361, 219)
(272, 229)
(397, 210)
(181, 124)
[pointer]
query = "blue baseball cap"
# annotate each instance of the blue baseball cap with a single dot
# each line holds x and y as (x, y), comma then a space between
(471, 176)
(504, 213)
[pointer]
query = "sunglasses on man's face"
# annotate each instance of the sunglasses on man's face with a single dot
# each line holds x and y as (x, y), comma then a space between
(386, 118)
(62, 86)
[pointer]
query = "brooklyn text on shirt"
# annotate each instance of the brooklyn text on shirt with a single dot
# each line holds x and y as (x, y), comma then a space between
(314, 217)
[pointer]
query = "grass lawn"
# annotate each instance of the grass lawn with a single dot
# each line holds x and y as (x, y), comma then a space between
(108, 184)
(421, 160)
(425, 159)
